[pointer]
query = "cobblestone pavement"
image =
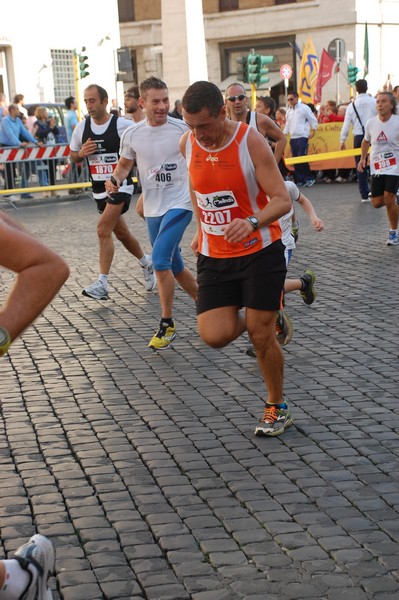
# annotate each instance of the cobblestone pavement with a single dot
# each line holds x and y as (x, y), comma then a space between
(142, 467)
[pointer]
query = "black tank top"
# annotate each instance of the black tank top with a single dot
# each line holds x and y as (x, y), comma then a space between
(103, 162)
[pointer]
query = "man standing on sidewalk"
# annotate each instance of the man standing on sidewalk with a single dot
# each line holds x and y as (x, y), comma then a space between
(382, 133)
(300, 125)
(167, 203)
(357, 114)
(97, 140)
(239, 195)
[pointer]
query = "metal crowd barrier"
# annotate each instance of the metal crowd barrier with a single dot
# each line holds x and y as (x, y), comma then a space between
(40, 169)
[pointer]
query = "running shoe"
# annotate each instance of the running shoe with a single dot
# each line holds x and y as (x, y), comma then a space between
(393, 239)
(37, 558)
(308, 293)
(309, 182)
(295, 230)
(150, 280)
(275, 421)
(96, 290)
(163, 337)
(283, 328)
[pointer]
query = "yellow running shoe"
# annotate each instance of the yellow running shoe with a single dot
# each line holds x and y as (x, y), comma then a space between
(163, 337)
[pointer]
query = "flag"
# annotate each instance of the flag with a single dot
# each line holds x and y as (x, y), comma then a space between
(326, 71)
(295, 47)
(308, 73)
(366, 52)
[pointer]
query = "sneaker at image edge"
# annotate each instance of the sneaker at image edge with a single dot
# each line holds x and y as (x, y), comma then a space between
(309, 293)
(37, 558)
(393, 239)
(310, 182)
(96, 290)
(275, 421)
(283, 328)
(163, 337)
(150, 280)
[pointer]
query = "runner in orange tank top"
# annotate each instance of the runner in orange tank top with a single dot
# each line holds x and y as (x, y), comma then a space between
(238, 196)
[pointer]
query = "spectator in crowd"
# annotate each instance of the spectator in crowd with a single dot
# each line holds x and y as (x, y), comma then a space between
(14, 133)
(281, 117)
(357, 114)
(177, 111)
(133, 108)
(330, 115)
(3, 106)
(19, 100)
(71, 120)
(45, 130)
(301, 124)
(266, 106)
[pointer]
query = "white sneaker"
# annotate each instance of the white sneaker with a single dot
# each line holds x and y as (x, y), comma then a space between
(37, 558)
(96, 290)
(150, 279)
(393, 239)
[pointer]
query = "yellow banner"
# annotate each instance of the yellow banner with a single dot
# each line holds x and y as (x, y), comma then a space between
(308, 72)
(326, 140)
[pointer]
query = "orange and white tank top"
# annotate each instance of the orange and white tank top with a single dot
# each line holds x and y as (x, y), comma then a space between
(225, 187)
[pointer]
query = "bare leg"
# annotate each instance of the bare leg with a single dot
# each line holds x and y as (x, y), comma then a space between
(187, 281)
(131, 243)
(291, 285)
(392, 209)
(220, 326)
(40, 274)
(166, 287)
(261, 329)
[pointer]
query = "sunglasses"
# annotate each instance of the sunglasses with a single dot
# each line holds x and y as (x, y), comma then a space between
(290, 99)
(234, 98)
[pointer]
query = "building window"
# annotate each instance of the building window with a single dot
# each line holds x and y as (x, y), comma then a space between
(126, 11)
(63, 74)
(228, 5)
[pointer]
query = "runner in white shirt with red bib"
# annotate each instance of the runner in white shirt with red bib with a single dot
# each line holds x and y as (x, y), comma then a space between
(382, 134)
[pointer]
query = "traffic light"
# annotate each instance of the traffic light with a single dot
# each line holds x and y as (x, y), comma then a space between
(253, 68)
(352, 73)
(242, 69)
(263, 70)
(257, 69)
(83, 65)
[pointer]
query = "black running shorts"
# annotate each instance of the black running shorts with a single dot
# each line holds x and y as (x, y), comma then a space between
(116, 199)
(254, 281)
(384, 183)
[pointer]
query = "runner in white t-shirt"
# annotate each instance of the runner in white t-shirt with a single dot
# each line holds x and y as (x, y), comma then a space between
(382, 134)
(167, 202)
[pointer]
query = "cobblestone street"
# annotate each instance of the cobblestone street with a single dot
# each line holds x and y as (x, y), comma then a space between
(142, 467)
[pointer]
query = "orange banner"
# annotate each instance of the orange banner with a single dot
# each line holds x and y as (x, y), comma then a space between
(326, 139)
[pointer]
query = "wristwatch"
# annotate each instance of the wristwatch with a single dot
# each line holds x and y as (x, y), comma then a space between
(5, 341)
(113, 181)
(254, 222)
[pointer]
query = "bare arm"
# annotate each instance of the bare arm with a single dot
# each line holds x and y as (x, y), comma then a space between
(122, 170)
(40, 273)
(310, 211)
(269, 128)
(89, 147)
(270, 180)
(363, 159)
(194, 242)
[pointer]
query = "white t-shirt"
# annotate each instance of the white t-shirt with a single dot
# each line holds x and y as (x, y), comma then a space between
(162, 168)
(286, 220)
(76, 141)
(384, 138)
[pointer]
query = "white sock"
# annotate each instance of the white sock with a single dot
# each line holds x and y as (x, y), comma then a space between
(15, 581)
(145, 261)
(104, 280)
